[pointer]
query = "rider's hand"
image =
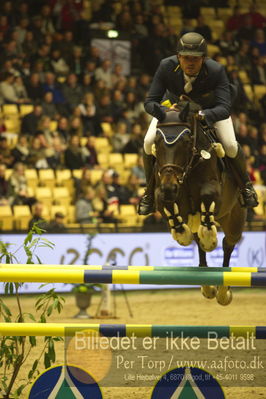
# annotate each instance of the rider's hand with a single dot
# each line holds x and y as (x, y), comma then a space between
(200, 115)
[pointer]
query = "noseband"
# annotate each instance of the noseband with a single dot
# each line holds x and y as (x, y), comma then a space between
(181, 172)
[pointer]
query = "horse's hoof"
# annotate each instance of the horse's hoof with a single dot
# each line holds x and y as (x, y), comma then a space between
(224, 295)
(209, 291)
(186, 237)
(207, 238)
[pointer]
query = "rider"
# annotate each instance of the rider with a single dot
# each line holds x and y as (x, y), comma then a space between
(192, 73)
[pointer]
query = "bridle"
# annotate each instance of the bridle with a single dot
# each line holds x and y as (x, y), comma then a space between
(182, 172)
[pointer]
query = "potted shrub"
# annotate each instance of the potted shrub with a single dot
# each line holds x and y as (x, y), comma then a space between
(83, 295)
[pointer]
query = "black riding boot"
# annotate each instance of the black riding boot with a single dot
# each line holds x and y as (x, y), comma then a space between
(248, 193)
(146, 204)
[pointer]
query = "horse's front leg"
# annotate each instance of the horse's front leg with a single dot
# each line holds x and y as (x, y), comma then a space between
(179, 230)
(207, 231)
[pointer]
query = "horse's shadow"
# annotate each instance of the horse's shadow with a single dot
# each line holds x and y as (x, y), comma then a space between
(194, 193)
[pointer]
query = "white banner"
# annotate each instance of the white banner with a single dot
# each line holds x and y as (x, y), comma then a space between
(155, 249)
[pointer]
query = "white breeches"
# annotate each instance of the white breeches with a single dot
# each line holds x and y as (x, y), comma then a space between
(224, 130)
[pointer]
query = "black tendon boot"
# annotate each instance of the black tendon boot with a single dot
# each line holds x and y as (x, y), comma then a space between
(249, 196)
(146, 204)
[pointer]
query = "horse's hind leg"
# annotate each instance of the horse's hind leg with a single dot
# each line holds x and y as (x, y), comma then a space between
(208, 291)
(233, 225)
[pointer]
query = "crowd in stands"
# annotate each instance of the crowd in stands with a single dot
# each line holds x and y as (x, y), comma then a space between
(76, 97)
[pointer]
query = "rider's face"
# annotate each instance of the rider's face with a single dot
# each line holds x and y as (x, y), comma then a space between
(190, 64)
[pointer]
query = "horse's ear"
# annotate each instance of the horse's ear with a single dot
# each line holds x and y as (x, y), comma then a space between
(184, 113)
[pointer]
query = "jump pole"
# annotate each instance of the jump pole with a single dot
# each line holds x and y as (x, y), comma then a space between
(126, 330)
(235, 269)
(238, 279)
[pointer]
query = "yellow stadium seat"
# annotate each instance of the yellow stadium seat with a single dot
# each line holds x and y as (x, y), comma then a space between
(12, 125)
(83, 141)
(62, 175)
(10, 109)
(130, 160)
(208, 12)
(96, 175)
(77, 173)
(22, 216)
(32, 177)
(61, 196)
(103, 159)
(259, 91)
(102, 144)
(8, 173)
(44, 194)
(6, 218)
(25, 109)
(128, 215)
(64, 178)
(243, 76)
(224, 13)
(107, 129)
(71, 214)
(212, 49)
(116, 160)
(53, 126)
(47, 178)
(249, 91)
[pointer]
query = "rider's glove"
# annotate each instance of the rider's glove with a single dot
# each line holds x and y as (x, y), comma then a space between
(159, 112)
(200, 115)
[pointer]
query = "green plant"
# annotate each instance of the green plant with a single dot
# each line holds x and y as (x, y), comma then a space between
(14, 351)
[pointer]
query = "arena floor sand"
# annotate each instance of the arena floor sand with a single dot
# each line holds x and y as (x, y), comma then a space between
(180, 307)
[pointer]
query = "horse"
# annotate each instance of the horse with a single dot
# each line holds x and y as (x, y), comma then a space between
(195, 191)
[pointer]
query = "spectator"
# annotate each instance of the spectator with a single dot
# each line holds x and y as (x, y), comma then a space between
(257, 73)
(105, 109)
(138, 171)
(19, 186)
(118, 105)
(257, 19)
(104, 73)
(29, 45)
(75, 155)
(76, 126)
(8, 91)
(34, 87)
(92, 161)
(76, 61)
(4, 186)
(30, 121)
(37, 154)
(51, 85)
(89, 115)
(20, 152)
(72, 91)
(57, 225)
(234, 22)
(47, 25)
(259, 41)
(55, 155)
(135, 143)
(63, 129)
(203, 29)
(155, 222)
(83, 183)
(85, 212)
(37, 216)
(120, 137)
(6, 156)
(48, 106)
(262, 163)
(59, 65)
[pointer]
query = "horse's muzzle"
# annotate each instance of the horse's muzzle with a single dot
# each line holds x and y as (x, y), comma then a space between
(169, 192)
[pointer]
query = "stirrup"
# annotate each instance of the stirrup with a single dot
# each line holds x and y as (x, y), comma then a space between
(146, 205)
(249, 198)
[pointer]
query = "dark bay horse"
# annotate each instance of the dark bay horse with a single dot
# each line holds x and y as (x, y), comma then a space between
(195, 192)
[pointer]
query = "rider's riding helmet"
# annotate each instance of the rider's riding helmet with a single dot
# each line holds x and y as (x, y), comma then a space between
(192, 43)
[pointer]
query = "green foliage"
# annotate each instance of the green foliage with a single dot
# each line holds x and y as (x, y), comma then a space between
(14, 351)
